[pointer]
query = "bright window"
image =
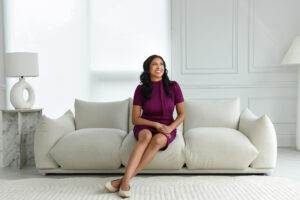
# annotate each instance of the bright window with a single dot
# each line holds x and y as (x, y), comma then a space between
(124, 33)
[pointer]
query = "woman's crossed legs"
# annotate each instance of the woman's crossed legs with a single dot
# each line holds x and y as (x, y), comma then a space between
(143, 153)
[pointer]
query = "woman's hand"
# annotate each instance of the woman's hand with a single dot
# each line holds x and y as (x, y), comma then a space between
(164, 129)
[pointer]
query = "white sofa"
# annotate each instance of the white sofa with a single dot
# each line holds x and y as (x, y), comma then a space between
(213, 138)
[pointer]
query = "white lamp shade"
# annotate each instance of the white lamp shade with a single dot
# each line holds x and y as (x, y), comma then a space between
(19, 64)
(292, 57)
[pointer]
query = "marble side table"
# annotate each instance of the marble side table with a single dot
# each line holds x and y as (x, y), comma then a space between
(18, 135)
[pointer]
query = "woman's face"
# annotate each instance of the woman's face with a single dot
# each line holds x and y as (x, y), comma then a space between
(156, 69)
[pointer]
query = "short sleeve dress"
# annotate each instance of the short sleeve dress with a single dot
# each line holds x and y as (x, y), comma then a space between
(159, 108)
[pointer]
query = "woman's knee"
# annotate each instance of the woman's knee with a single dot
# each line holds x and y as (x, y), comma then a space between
(159, 140)
(145, 136)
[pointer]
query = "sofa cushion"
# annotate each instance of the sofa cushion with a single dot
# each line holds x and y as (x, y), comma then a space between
(211, 113)
(112, 114)
(47, 133)
(180, 126)
(131, 125)
(218, 148)
(91, 148)
(171, 158)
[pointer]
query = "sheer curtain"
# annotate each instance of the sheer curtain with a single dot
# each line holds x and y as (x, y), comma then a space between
(56, 30)
(124, 33)
(86, 47)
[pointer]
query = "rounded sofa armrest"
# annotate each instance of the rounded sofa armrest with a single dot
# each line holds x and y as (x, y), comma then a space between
(47, 133)
(262, 134)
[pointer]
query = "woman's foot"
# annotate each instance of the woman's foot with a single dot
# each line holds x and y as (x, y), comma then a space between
(113, 186)
(116, 183)
(124, 190)
(125, 186)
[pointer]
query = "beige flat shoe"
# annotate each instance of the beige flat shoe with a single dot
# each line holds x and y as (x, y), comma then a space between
(110, 187)
(124, 193)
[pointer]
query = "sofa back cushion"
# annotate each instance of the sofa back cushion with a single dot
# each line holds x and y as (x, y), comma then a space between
(112, 114)
(211, 113)
(131, 125)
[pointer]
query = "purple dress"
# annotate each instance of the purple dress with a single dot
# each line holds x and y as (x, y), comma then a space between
(159, 108)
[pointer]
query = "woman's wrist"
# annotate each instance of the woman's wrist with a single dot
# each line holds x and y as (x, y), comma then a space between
(172, 126)
(155, 124)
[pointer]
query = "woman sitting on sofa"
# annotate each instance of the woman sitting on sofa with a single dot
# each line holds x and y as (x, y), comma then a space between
(155, 129)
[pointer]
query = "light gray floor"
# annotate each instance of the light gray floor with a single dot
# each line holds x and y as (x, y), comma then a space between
(288, 165)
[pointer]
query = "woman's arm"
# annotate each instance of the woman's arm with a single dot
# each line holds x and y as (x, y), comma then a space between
(180, 115)
(137, 120)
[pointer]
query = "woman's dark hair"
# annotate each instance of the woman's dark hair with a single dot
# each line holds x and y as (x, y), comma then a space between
(146, 81)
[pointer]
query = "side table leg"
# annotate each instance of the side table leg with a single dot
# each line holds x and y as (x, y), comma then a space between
(11, 139)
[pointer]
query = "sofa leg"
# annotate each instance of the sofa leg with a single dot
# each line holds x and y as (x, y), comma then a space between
(43, 173)
(268, 173)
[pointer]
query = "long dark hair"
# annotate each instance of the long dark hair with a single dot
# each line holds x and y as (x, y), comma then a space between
(146, 81)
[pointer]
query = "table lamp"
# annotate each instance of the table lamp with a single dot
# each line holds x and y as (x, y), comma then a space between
(292, 58)
(21, 64)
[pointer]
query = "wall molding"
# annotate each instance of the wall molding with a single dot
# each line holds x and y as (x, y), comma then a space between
(185, 69)
(251, 40)
(293, 98)
(275, 84)
(285, 128)
(2, 87)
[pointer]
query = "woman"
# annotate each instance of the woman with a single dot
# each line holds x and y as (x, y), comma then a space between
(156, 128)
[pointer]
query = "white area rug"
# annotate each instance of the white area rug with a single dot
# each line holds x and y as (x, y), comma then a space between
(155, 187)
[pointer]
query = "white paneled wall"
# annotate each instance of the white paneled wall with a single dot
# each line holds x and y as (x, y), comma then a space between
(228, 48)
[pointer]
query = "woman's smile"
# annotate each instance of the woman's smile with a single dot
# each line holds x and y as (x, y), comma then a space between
(158, 71)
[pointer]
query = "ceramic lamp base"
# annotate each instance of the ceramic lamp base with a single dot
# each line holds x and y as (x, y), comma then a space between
(17, 97)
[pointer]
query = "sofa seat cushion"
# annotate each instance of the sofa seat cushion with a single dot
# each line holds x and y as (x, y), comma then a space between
(218, 148)
(172, 158)
(91, 148)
